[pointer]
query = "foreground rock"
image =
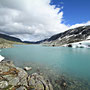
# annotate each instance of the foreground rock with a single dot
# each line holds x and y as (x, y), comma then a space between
(27, 68)
(15, 78)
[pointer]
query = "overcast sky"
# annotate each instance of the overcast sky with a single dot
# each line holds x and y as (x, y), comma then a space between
(32, 19)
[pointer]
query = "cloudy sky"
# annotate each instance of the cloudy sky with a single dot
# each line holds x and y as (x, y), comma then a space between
(39, 19)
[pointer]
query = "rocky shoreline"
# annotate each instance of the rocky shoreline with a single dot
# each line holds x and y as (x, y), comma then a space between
(15, 78)
(4, 43)
(6, 46)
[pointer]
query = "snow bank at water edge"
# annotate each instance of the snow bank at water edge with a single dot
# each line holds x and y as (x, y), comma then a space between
(81, 44)
(1, 58)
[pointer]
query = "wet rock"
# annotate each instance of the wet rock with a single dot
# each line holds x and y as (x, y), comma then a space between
(63, 84)
(27, 68)
(22, 77)
(39, 83)
(69, 45)
(53, 45)
(31, 81)
(49, 85)
(39, 86)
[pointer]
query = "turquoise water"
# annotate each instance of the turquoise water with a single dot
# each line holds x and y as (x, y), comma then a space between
(73, 61)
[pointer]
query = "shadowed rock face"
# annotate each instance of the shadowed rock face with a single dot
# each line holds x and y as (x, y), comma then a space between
(15, 78)
(70, 36)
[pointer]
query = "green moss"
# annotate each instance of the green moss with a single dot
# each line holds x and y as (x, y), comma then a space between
(31, 87)
(8, 88)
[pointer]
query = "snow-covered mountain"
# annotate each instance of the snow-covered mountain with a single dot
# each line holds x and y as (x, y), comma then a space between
(70, 36)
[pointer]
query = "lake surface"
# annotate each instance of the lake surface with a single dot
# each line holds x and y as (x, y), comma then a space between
(73, 61)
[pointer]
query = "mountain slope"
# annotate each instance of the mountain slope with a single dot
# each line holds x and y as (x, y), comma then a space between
(70, 36)
(7, 41)
(10, 38)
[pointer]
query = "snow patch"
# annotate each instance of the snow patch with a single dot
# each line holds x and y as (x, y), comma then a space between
(88, 37)
(1, 58)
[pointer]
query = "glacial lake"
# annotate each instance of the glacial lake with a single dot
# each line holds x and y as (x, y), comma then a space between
(73, 61)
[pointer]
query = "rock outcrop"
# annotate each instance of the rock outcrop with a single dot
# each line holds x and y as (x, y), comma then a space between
(15, 78)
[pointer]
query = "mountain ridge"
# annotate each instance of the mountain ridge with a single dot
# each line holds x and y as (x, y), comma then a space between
(70, 36)
(10, 38)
